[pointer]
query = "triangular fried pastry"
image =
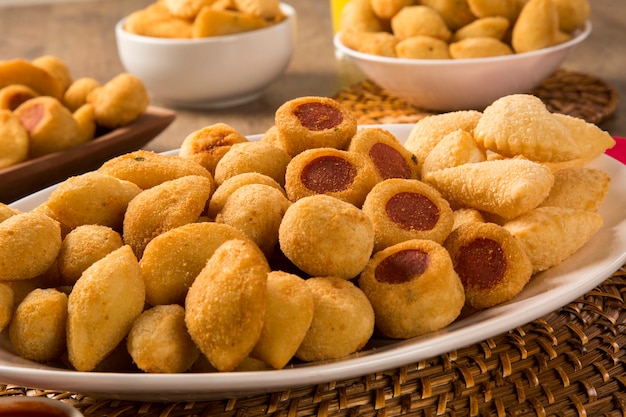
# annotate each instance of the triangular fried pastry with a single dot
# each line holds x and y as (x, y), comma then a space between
(579, 188)
(536, 27)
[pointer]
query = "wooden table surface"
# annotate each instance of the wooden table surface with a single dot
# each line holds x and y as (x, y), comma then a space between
(82, 34)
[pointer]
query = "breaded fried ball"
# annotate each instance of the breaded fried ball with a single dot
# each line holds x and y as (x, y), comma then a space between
(119, 101)
(7, 303)
(7, 211)
(14, 139)
(343, 320)
(257, 156)
(76, 94)
(13, 95)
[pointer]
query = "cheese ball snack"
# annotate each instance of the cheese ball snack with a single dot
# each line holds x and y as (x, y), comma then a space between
(324, 236)
(7, 304)
(208, 145)
(343, 320)
(578, 188)
(14, 139)
(492, 264)
(313, 122)
(57, 68)
(29, 245)
(37, 330)
(454, 149)
(159, 342)
(418, 20)
(258, 157)
(119, 101)
(225, 306)
(401, 209)
(390, 158)
(413, 288)
(13, 95)
(20, 71)
(348, 176)
(76, 94)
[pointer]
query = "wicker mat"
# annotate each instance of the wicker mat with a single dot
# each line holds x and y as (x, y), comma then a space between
(571, 362)
(567, 92)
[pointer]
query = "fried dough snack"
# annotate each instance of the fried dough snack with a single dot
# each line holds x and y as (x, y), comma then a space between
(456, 13)
(76, 94)
(419, 20)
(253, 157)
(7, 211)
(386, 9)
(422, 47)
(506, 8)
(7, 304)
(14, 139)
(186, 9)
(578, 188)
(212, 22)
(454, 149)
(479, 47)
(267, 9)
(119, 101)
(493, 27)
(413, 288)
(572, 14)
(375, 43)
(13, 95)
(57, 68)
(537, 26)
(20, 71)
(359, 16)
(156, 20)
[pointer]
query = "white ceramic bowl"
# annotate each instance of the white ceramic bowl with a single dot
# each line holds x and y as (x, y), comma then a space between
(212, 72)
(460, 84)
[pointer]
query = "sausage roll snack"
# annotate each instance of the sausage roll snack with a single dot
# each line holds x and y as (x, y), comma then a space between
(13, 95)
(348, 176)
(492, 264)
(413, 288)
(314, 122)
(390, 158)
(402, 209)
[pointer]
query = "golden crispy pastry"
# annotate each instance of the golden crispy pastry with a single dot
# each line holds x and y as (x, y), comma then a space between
(157, 21)
(254, 156)
(413, 288)
(402, 209)
(314, 122)
(422, 47)
(55, 67)
(13, 95)
(343, 320)
(7, 211)
(288, 316)
(391, 159)
(492, 27)
(375, 43)
(537, 26)
(578, 188)
(85, 118)
(348, 176)
(206, 146)
(454, 149)
(76, 94)
(225, 306)
(29, 245)
(119, 101)
(159, 342)
(386, 9)
(186, 9)
(483, 47)
(486, 8)
(492, 264)
(573, 14)
(7, 304)
(163, 207)
(324, 236)
(428, 131)
(37, 330)
(466, 215)
(267, 9)
(102, 307)
(456, 13)
(14, 139)
(507, 187)
(359, 16)
(257, 210)
(552, 234)
(213, 22)
(419, 20)
(20, 71)
(520, 124)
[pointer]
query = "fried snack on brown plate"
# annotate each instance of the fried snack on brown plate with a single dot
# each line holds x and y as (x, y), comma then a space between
(14, 139)
(13, 95)
(419, 20)
(20, 71)
(254, 156)
(76, 94)
(119, 101)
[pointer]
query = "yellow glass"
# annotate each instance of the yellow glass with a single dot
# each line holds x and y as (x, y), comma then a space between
(336, 6)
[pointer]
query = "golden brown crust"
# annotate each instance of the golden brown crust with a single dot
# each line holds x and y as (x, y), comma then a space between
(259, 157)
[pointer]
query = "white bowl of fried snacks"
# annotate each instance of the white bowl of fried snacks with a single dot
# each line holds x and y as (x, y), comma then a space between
(460, 59)
(213, 59)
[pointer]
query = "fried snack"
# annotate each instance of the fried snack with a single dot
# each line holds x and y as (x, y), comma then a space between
(147, 169)
(208, 145)
(50, 125)
(483, 47)
(454, 149)
(92, 198)
(84, 246)
(537, 26)
(225, 306)
(173, 259)
(573, 14)
(213, 22)
(29, 245)
(13, 95)
(386, 9)
(257, 210)
(186, 9)
(466, 215)
(492, 27)
(102, 306)
(348, 176)
(343, 320)
(506, 8)
(14, 139)
(157, 21)
(55, 67)
(253, 157)
(76, 94)
(422, 47)
(314, 122)
(492, 264)
(456, 13)
(390, 158)
(375, 43)
(267, 9)
(163, 207)
(506, 187)
(20, 71)
(427, 132)
(288, 315)
(37, 330)
(552, 234)
(7, 304)
(324, 236)
(578, 188)
(221, 194)
(419, 20)
(159, 342)
(413, 288)
(401, 209)
(359, 16)
(119, 101)
(7, 211)
(520, 124)
(85, 118)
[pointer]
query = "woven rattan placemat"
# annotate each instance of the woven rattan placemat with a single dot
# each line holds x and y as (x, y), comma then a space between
(571, 362)
(567, 92)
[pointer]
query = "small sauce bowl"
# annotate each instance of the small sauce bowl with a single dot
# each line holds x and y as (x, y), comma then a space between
(36, 407)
